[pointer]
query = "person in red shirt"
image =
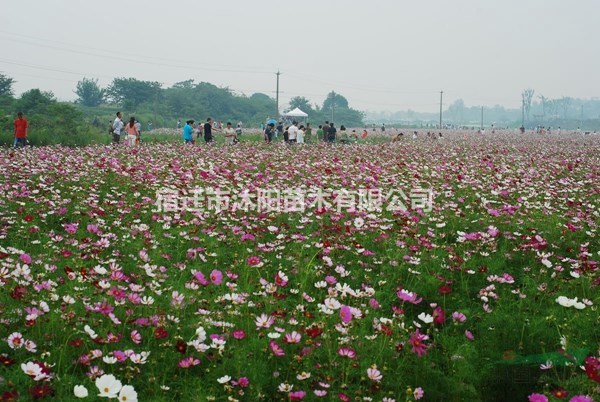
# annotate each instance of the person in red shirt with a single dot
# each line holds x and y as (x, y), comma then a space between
(21, 126)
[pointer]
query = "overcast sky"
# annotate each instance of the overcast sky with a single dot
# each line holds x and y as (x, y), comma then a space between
(380, 54)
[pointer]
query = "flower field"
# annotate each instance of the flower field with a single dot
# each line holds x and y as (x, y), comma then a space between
(163, 273)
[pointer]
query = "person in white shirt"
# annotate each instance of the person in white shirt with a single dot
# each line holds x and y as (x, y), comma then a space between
(117, 128)
(300, 135)
(293, 133)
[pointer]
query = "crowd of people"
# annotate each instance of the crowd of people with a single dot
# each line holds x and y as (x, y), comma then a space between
(294, 133)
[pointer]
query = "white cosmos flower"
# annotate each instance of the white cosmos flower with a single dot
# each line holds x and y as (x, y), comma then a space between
(90, 332)
(108, 386)
(426, 318)
(128, 394)
(109, 359)
(80, 391)
(224, 380)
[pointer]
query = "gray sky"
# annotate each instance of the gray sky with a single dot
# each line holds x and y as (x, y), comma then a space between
(380, 54)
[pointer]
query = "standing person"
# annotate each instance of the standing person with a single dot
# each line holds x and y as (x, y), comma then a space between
(331, 133)
(138, 125)
(279, 129)
(117, 128)
(230, 135)
(344, 139)
(132, 131)
(21, 126)
(238, 129)
(208, 128)
(269, 132)
(178, 124)
(293, 133)
(188, 132)
(325, 130)
(300, 135)
(286, 135)
(308, 133)
(199, 130)
(320, 132)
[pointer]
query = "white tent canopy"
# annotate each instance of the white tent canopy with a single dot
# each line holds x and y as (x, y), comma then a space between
(295, 113)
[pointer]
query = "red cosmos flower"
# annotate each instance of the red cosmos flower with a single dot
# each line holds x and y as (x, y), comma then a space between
(313, 332)
(10, 396)
(253, 260)
(41, 391)
(7, 361)
(18, 292)
(439, 317)
(181, 347)
(560, 393)
(160, 333)
(592, 368)
(444, 290)
(28, 218)
(77, 342)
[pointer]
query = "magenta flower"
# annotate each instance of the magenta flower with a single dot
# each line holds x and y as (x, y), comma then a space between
(347, 352)
(439, 317)
(417, 340)
(253, 260)
(216, 277)
(25, 258)
(239, 334)
(409, 297)
(538, 398)
(458, 317)
(469, 335)
(296, 395)
(581, 398)
(189, 362)
(276, 349)
(200, 278)
(346, 314)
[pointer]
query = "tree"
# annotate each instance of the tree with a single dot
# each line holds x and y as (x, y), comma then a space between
(527, 98)
(6, 84)
(334, 99)
(545, 101)
(301, 103)
(89, 92)
(35, 100)
(457, 111)
(132, 92)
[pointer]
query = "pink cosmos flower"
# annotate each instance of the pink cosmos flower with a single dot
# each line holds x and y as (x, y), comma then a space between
(439, 317)
(538, 398)
(25, 258)
(239, 334)
(409, 297)
(469, 335)
(581, 398)
(253, 260)
(200, 278)
(188, 362)
(374, 374)
(345, 314)
(417, 341)
(276, 349)
(458, 317)
(293, 337)
(296, 395)
(15, 340)
(418, 393)
(347, 352)
(136, 337)
(216, 277)
(264, 321)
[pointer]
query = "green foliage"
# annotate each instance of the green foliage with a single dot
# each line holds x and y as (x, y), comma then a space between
(35, 100)
(131, 92)
(6, 84)
(89, 92)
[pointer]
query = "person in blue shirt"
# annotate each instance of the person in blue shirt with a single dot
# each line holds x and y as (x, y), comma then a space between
(188, 132)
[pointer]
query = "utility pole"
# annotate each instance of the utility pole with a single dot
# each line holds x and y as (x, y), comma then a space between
(523, 110)
(441, 97)
(332, 106)
(277, 96)
(482, 117)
